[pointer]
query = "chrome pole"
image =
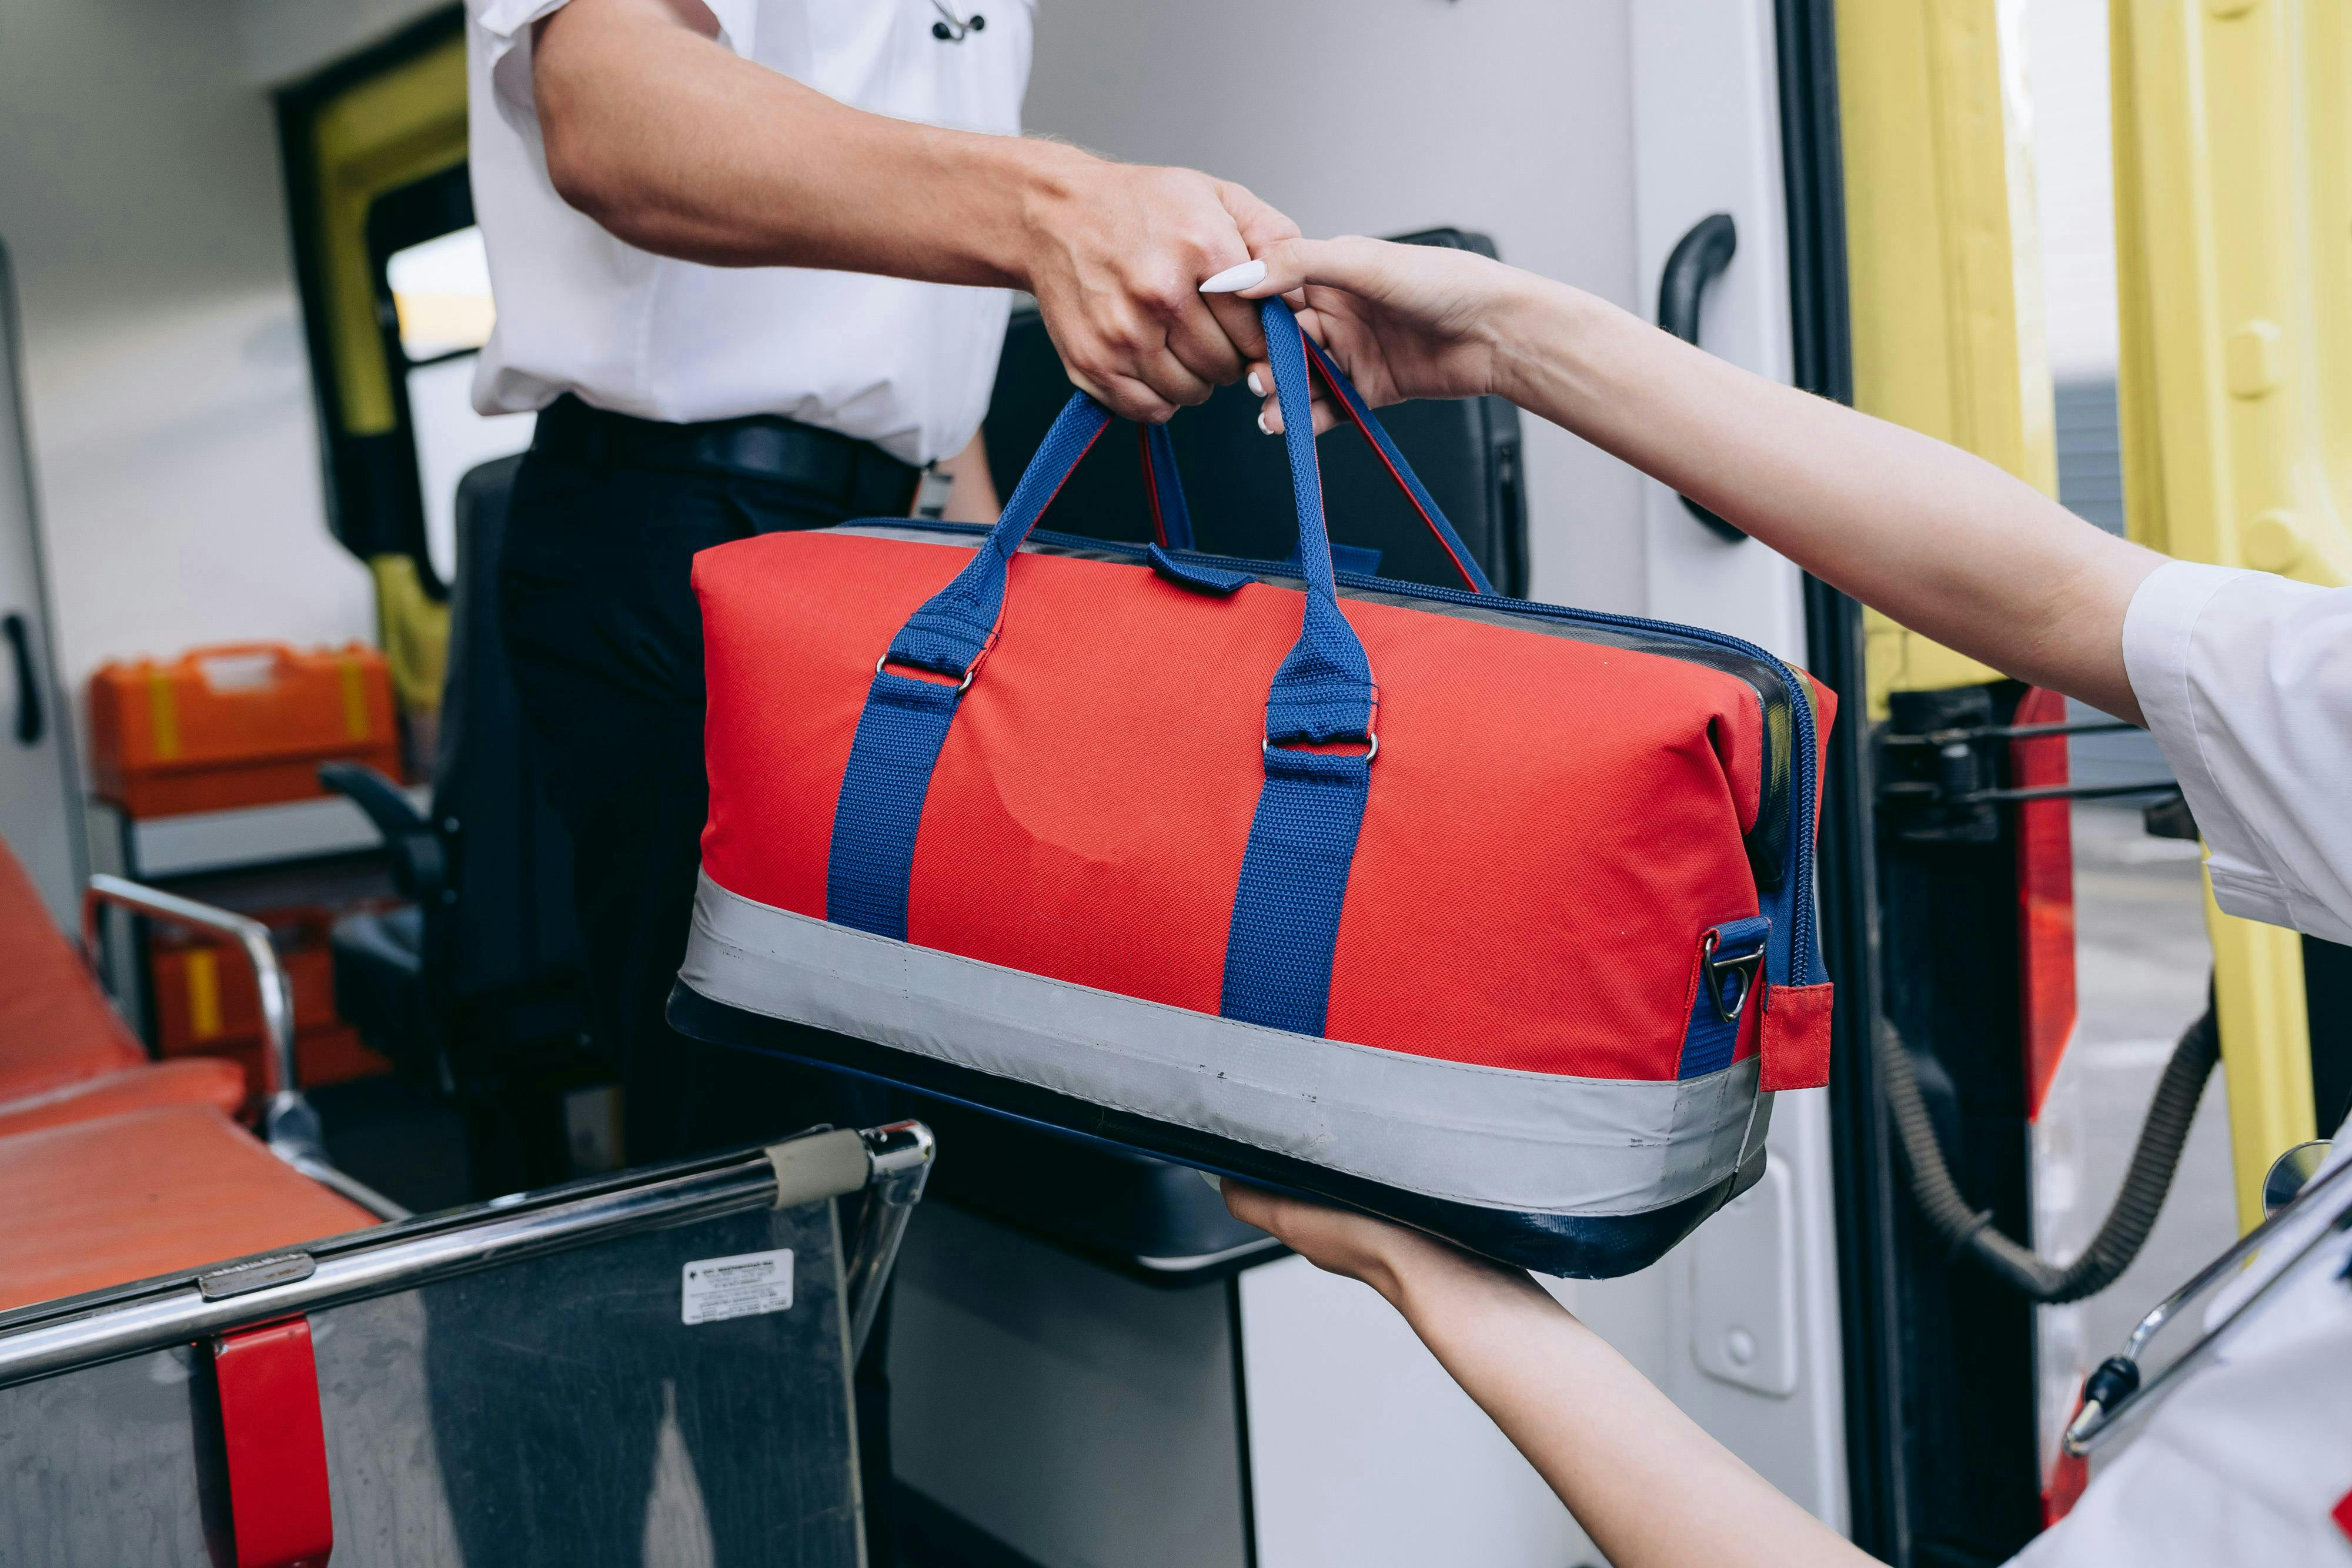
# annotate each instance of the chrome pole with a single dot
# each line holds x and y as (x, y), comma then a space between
(288, 1124)
(901, 1154)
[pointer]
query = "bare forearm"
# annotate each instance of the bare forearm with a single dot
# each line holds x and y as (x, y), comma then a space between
(1943, 541)
(1649, 1487)
(679, 147)
(683, 148)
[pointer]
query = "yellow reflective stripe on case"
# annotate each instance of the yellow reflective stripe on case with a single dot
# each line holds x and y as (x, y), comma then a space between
(201, 968)
(163, 715)
(355, 703)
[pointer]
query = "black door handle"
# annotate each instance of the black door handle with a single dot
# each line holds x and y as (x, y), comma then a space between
(1697, 259)
(32, 723)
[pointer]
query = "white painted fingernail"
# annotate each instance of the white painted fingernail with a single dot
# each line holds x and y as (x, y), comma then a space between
(1233, 277)
(1255, 385)
(1263, 427)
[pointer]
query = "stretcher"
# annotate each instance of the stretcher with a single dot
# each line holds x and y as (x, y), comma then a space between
(520, 1382)
(215, 1347)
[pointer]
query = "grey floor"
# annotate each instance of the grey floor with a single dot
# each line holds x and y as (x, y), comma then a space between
(2142, 960)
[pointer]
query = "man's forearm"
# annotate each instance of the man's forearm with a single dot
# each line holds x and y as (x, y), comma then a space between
(679, 147)
(1942, 541)
(682, 148)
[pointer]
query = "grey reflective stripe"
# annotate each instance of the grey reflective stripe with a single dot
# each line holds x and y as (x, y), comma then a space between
(1528, 1142)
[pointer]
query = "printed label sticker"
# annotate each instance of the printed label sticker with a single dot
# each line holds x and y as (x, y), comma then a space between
(742, 1286)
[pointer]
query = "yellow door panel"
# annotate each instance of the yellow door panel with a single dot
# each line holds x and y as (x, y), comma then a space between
(2234, 230)
(414, 629)
(386, 131)
(1943, 271)
(2233, 196)
(2266, 1046)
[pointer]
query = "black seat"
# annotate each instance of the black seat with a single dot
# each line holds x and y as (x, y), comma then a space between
(479, 984)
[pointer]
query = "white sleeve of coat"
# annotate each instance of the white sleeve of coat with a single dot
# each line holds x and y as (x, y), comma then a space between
(2246, 682)
(505, 27)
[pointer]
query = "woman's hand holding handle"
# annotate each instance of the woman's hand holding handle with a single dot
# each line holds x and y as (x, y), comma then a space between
(1649, 1487)
(1942, 541)
(1403, 321)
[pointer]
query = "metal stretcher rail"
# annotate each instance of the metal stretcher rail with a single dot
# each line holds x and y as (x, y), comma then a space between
(108, 1325)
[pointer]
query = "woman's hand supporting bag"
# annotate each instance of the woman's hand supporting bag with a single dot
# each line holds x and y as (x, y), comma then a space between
(1648, 1486)
(1941, 541)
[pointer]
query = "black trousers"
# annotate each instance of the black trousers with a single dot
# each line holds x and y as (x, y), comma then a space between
(606, 641)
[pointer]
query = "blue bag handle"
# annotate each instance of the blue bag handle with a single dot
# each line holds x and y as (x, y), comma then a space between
(1310, 807)
(1323, 690)
(1171, 520)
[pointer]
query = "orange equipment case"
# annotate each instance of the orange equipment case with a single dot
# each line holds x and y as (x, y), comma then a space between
(207, 1003)
(241, 724)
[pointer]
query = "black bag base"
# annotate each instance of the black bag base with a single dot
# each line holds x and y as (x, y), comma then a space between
(1150, 1220)
(1572, 1247)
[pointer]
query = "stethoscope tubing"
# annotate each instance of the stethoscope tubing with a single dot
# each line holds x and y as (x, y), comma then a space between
(2097, 1419)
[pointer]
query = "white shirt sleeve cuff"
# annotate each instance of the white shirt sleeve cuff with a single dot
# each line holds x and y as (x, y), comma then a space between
(2159, 637)
(2159, 631)
(507, 24)
(505, 21)
(2160, 643)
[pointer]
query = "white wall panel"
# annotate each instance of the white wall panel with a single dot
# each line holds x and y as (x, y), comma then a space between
(1509, 116)
(284, 40)
(174, 442)
(1706, 139)
(1363, 1452)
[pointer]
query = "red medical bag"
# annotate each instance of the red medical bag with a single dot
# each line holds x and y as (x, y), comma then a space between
(1493, 917)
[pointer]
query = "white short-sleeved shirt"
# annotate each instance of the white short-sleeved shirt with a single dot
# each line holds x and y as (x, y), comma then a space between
(2246, 682)
(905, 365)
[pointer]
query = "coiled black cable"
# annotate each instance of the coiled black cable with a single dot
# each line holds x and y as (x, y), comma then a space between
(2125, 1227)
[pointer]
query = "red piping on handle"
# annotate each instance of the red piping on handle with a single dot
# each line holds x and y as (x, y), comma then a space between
(1316, 367)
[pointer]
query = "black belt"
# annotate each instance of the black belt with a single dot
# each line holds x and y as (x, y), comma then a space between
(857, 475)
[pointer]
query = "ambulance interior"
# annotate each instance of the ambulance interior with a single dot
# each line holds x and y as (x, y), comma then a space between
(243, 291)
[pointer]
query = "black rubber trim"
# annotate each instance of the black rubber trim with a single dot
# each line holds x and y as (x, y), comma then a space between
(31, 720)
(1572, 1247)
(1697, 259)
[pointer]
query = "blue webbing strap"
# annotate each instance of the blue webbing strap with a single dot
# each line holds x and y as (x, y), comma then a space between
(1294, 881)
(1171, 520)
(881, 805)
(1323, 690)
(905, 718)
(1310, 807)
(1302, 841)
